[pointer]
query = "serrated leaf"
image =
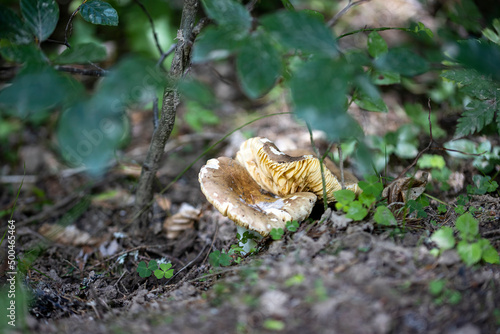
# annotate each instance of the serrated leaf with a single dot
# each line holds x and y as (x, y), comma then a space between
(403, 61)
(470, 253)
(444, 238)
(376, 45)
(228, 13)
(81, 54)
(472, 83)
(12, 28)
(41, 17)
(476, 116)
(467, 226)
(259, 65)
(319, 90)
(384, 216)
(99, 12)
(215, 43)
(301, 30)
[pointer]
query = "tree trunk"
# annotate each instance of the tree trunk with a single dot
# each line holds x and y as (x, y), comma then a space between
(181, 60)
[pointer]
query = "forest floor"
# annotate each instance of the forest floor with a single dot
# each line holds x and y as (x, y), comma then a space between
(335, 276)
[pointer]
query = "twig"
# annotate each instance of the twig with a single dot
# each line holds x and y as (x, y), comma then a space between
(155, 36)
(321, 165)
(82, 71)
(337, 16)
(127, 251)
(166, 54)
(341, 166)
(374, 29)
(69, 27)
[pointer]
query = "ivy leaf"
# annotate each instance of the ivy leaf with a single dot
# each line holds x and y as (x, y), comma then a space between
(12, 28)
(81, 54)
(470, 253)
(403, 61)
(467, 226)
(258, 64)
(99, 12)
(41, 17)
(301, 30)
(384, 216)
(228, 13)
(444, 238)
(376, 45)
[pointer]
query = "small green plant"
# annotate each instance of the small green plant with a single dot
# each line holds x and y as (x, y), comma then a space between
(274, 325)
(163, 271)
(219, 259)
(482, 185)
(470, 246)
(437, 288)
(277, 233)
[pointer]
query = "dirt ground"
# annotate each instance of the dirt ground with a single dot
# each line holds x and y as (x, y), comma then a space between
(334, 276)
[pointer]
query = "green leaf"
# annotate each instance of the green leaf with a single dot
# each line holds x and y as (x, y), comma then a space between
(194, 90)
(476, 116)
(431, 161)
(472, 83)
(37, 89)
(22, 53)
(356, 211)
(319, 90)
(159, 273)
(344, 196)
(277, 233)
(367, 199)
(132, 80)
(292, 226)
(418, 207)
(81, 54)
(376, 45)
(371, 185)
(152, 265)
(215, 43)
(385, 78)
(462, 145)
(444, 238)
(436, 287)
(228, 13)
(217, 259)
(99, 12)
(384, 216)
(12, 28)
(143, 270)
(274, 325)
(489, 253)
(403, 61)
(467, 226)
(367, 96)
(88, 134)
(41, 17)
(198, 117)
(259, 65)
(302, 31)
(480, 56)
(470, 253)
(420, 117)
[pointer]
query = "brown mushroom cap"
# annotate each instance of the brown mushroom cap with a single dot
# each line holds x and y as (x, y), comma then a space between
(283, 174)
(229, 187)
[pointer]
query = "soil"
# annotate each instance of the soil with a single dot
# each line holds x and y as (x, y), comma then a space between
(331, 276)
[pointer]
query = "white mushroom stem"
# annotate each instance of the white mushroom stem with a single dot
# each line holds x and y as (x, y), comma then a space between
(251, 242)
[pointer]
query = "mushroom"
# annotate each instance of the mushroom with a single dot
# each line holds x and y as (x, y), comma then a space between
(229, 187)
(283, 174)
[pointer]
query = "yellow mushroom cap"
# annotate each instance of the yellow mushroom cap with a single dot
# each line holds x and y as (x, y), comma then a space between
(228, 186)
(283, 174)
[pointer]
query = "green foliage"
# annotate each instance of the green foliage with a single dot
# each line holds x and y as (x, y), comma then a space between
(470, 246)
(384, 216)
(483, 185)
(218, 258)
(418, 206)
(277, 233)
(81, 54)
(164, 271)
(145, 270)
(437, 288)
(485, 156)
(493, 36)
(274, 325)
(99, 12)
(40, 17)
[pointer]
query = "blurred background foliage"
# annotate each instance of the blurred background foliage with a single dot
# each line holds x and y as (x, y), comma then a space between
(455, 94)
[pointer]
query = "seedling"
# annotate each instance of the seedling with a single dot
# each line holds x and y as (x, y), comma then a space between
(164, 271)
(438, 289)
(470, 247)
(219, 259)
